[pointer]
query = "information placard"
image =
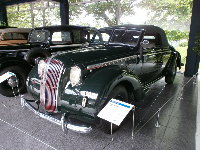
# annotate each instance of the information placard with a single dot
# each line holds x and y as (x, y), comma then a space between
(115, 111)
(6, 76)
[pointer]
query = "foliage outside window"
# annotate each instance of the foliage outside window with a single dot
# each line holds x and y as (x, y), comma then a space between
(2, 23)
(34, 14)
(197, 44)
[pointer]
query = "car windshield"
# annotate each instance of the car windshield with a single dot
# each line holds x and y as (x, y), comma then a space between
(39, 36)
(117, 37)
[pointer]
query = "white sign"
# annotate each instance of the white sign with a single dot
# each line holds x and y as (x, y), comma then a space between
(115, 111)
(6, 76)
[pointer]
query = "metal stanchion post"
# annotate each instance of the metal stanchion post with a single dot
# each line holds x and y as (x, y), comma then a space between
(133, 122)
(157, 123)
(63, 124)
(111, 131)
(194, 80)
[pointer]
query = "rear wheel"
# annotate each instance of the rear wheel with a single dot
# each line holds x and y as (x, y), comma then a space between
(119, 93)
(13, 86)
(170, 75)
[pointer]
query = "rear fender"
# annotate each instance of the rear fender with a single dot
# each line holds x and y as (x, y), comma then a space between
(174, 58)
(178, 60)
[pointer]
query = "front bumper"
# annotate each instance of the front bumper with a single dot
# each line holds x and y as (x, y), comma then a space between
(65, 125)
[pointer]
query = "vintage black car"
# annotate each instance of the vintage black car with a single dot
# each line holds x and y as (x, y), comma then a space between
(121, 63)
(42, 42)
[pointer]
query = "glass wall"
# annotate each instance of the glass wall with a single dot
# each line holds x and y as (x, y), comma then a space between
(34, 14)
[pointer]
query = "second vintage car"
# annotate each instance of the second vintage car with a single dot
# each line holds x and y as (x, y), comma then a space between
(120, 63)
(19, 58)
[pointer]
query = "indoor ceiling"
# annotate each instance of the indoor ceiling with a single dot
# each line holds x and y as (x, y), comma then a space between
(12, 2)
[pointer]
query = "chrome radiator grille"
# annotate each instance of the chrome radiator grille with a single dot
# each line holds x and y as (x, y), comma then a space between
(49, 85)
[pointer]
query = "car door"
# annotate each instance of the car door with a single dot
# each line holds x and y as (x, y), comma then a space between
(152, 60)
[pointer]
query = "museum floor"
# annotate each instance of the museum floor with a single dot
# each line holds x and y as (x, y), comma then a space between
(20, 129)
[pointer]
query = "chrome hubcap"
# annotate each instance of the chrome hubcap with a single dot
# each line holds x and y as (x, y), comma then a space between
(13, 82)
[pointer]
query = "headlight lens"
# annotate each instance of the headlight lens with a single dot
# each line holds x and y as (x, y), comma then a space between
(41, 67)
(75, 75)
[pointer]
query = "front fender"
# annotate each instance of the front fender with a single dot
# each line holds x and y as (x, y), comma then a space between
(96, 87)
(103, 81)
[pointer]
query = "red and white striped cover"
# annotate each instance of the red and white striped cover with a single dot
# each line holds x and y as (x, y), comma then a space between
(49, 84)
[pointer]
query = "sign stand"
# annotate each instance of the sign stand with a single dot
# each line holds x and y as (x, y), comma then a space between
(115, 111)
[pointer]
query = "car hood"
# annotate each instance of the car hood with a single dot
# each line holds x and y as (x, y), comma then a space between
(95, 54)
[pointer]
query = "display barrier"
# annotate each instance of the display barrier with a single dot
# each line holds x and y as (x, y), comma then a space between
(180, 93)
(136, 129)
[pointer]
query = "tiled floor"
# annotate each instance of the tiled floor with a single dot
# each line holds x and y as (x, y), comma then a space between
(21, 129)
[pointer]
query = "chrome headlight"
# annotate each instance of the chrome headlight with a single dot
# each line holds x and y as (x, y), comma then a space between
(41, 67)
(75, 75)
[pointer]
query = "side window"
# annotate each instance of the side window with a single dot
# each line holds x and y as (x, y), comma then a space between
(39, 36)
(87, 36)
(101, 38)
(117, 36)
(151, 41)
(122, 36)
(1, 36)
(105, 37)
(77, 36)
(7, 36)
(97, 39)
(20, 36)
(61, 37)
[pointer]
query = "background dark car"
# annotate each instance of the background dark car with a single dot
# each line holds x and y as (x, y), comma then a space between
(42, 42)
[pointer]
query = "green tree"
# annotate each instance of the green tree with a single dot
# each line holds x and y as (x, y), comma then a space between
(197, 44)
(169, 14)
(2, 23)
(110, 11)
(176, 35)
(75, 11)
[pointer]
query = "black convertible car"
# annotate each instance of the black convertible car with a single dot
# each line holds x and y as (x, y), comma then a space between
(121, 62)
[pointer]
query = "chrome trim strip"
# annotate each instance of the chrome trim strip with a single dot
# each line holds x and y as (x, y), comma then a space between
(76, 128)
(107, 63)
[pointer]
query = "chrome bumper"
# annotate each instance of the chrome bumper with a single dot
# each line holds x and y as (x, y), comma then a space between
(65, 125)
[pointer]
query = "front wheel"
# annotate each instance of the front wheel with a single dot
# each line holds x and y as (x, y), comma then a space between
(170, 75)
(119, 93)
(13, 86)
